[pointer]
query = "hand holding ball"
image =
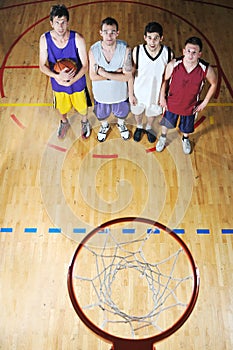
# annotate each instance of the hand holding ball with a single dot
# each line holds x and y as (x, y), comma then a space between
(65, 63)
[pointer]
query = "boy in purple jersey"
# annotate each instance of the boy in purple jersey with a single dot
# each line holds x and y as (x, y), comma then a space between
(69, 88)
(184, 78)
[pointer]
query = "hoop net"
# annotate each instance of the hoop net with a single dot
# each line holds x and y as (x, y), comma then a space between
(133, 281)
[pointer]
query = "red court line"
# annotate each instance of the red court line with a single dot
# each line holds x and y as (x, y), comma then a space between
(198, 122)
(2, 68)
(16, 120)
(58, 148)
(108, 156)
(211, 4)
(149, 150)
(17, 67)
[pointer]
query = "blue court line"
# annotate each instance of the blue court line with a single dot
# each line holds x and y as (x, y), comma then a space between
(5, 229)
(30, 230)
(179, 231)
(54, 230)
(128, 230)
(153, 230)
(105, 230)
(202, 231)
(227, 231)
(79, 230)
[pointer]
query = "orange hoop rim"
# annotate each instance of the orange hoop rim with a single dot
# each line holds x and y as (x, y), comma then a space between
(125, 341)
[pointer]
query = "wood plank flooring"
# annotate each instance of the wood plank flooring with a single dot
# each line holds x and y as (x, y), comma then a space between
(54, 192)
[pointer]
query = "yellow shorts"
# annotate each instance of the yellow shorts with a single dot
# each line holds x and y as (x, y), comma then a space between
(64, 102)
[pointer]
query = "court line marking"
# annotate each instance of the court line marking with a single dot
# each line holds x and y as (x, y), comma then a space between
(6, 229)
(30, 230)
(149, 150)
(198, 122)
(105, 156)
(17, 121)
(227, 231)
(82, 230)
(202, 231)
(58, 148)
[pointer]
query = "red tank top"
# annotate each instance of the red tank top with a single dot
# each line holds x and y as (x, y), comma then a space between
(185, 88)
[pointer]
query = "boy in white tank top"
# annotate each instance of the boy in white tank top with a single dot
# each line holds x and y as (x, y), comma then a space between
(150, 60)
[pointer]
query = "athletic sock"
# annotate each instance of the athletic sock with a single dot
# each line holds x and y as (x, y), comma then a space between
(105, 124)
(120, 121)
(185, 137)
(139, 126)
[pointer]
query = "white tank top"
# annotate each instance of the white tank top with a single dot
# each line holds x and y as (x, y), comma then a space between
(110, 91)
(149, 77)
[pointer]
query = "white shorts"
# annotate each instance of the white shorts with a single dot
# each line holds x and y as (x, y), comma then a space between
(150, 111)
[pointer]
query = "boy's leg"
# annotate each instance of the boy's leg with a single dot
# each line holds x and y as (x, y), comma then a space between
(63, 104)
(168, 121)
(63, 126)
(162, 140)
(186, 144)
(187, 127)
(102, 112)
(121, 111)
(138, 133)
(149, 130)
(138, 114)
(85, 127)
(123, 129)
(79, 101)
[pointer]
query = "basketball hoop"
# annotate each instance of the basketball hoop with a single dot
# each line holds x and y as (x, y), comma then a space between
(136, 292)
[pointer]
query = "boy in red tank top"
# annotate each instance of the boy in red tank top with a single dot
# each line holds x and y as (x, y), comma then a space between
(184, 79)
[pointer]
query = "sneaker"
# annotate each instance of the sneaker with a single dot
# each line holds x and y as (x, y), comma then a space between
(186, 146)
(137, 136)
(161, 144)
(62, 130)
(102, 134)
(124, 131)
(85, 129)
(151, 135)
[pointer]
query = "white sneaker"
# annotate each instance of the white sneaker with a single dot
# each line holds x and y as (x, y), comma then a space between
(161, 144)
(186, 146)
(102, 134)
(124, 131)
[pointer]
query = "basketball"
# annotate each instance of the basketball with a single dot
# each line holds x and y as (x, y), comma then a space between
(64, 63)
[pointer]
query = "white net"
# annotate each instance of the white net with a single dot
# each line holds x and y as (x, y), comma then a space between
(133, 288)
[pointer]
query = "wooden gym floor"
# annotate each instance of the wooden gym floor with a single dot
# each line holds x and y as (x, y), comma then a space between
(53, 192)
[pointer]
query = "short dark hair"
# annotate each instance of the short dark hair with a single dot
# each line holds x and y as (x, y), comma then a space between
(109, 21)
(59, 11)
(195, 41)
(154, 27)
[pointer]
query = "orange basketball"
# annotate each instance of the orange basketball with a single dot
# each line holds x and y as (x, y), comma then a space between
(64, 63)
